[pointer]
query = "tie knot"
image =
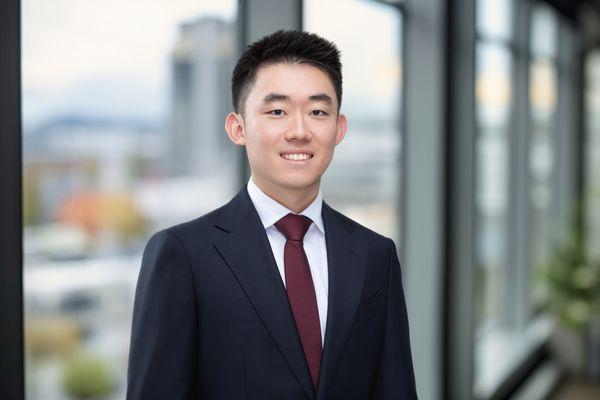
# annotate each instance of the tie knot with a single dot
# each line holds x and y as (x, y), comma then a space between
(293, 226)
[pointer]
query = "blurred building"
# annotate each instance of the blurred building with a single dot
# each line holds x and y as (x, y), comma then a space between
(201, 64)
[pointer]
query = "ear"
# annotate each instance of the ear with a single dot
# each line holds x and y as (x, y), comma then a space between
(234, 126)
(342, 125)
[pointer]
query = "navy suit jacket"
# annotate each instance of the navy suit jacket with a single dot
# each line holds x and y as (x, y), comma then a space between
(212, 320)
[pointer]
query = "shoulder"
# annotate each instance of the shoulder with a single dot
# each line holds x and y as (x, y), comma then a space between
(202, 227)
(379, 250)
(374, 240)
(197, 225)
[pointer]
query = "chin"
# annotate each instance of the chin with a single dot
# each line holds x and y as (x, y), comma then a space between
(300, 184)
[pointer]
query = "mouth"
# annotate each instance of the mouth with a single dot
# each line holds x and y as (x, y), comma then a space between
(297, 157)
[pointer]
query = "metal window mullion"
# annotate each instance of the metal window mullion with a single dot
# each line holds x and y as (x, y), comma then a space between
(423, 201)
(11, 258)
(517, 232)
(564, 186)
(461, 208)
(263, 17)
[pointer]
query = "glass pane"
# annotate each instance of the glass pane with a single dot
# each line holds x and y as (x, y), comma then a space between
(542, 97)
(363, 180)
(494, 18)
(119, 141)
(495, 337)
(493, 96)
(592, 126)
(544, 31)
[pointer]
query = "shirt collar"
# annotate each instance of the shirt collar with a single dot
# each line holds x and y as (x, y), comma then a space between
(271, 211)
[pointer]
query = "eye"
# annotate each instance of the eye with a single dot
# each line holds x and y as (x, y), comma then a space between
(318, 113)
(277, 113)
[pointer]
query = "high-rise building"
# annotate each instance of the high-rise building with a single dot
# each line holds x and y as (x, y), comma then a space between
(202, 62)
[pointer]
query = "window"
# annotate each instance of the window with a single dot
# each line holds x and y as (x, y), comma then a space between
(494, 96)
(123, 135)
(592, 156)
(363, 180)
(543, 95)
(516, 178)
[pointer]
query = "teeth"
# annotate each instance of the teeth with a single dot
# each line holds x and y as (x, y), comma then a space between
(296, 156)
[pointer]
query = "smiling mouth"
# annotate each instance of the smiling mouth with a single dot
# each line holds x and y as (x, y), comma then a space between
(296, 156)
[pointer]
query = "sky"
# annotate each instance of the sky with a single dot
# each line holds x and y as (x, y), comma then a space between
(69, 40)
(102, 56)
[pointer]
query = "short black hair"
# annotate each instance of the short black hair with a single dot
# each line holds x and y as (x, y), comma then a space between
(285, 47)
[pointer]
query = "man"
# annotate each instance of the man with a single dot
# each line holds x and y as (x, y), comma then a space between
(275, 295)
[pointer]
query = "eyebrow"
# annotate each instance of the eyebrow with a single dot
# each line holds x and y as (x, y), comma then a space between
(273, 97)
(321, 97)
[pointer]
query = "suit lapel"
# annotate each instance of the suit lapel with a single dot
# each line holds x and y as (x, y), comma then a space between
(247, 252)
(347, 262)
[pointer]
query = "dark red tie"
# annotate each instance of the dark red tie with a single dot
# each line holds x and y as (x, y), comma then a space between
(300, 289)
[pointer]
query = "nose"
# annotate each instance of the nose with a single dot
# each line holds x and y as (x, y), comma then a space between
(298, 130)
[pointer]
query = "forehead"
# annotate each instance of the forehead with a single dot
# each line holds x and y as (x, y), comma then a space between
(298, 81)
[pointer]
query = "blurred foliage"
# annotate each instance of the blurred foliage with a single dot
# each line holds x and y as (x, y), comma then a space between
(31, 200)
(97, 212)
(489, 286)
(573, 279)
(86, 376)
(51, 336)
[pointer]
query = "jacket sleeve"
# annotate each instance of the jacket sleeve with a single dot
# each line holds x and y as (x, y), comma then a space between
(395, 377)
(163, 351)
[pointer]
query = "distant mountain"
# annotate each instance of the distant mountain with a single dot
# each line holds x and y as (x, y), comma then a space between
(121, 98)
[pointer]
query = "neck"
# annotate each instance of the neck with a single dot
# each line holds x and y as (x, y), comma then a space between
(294, 199)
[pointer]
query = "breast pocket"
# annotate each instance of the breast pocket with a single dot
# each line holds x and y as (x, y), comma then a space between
(371, 305)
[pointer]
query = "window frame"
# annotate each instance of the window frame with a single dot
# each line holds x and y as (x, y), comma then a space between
(520, 314)
(11, 258)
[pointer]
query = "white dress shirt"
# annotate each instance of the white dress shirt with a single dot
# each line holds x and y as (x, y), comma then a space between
(270, 211)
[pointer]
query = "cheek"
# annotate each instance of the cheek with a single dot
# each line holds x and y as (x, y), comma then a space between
(328, 148)
(327, 159)
(327, 141)
(260, 145)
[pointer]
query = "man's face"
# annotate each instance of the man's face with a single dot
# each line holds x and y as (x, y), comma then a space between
(291, 127)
